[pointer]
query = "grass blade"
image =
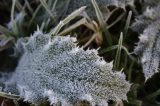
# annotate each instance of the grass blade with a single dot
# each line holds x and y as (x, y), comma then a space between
(118, 54)
(127, 23)
(108, 49)
(9, 96)
(98, 13)
(102, 22)
(5, 31)
(67, 20)
(74, 26)
(43, 2)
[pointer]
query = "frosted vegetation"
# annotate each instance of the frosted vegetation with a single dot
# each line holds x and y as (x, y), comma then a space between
(59, 70)
(75, 4)
(94, 51)
(148, 25)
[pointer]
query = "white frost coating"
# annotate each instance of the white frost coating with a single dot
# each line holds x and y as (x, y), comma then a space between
(149, 16)
(57, 69)
(148, 47)
(53, 97)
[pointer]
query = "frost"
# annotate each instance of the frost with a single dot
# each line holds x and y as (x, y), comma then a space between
(148, 47)
(151, 2)
(150, 15)
(75, 4)
(55, 68)
(118, 3)
(19, 18)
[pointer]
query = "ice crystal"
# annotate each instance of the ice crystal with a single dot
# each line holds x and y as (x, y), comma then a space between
(55, 68)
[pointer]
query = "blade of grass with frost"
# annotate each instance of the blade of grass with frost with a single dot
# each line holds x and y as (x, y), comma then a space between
(102, 51)
(127, 23)
(9, 96)
(113, 48)
(109, 13)
(118, 54)
(5, 31)
(12, 10)
(101, 21)
(49, 3)
(34, 15)
(70, 17)
(74, 26)
(46, 24)
(20, 22)
(98, 13)
(118, 19)
(6, 42)
(15, 28)
(125, 60)
(29, 6)
(128, 53)
(42, 26)
(130, 71)
(54, 5)
(19, 6)
(14, 24)
(108, 49)
(45, 5)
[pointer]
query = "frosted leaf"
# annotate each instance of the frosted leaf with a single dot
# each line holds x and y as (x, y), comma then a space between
(148, 26)
(57, 69)
(149, 16)
(148, 49)
(7, 86)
